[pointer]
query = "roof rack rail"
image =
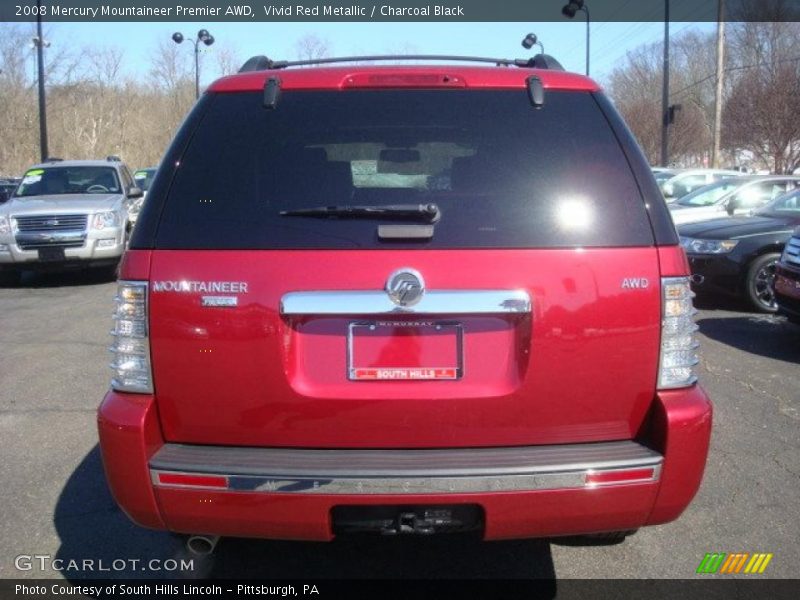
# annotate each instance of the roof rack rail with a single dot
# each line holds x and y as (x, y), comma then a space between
(53, 159)
(540, 61)
(113, 158)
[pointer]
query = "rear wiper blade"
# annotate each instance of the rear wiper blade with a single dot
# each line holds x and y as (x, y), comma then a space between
(421, 212)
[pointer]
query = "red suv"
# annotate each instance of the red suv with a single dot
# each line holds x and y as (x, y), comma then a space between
(404, 299)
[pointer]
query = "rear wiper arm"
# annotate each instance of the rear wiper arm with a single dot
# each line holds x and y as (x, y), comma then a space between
(416, 212)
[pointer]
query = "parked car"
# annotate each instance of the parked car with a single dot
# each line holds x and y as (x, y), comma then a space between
(735, 196)
(7, 187)
(662, 174)
(787, 276)
(142, 178)
(402, 316)
(67, 214)
(689, 180)
(736, 256)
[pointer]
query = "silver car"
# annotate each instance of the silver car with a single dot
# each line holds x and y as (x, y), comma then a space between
(740, 196)
(142, 179)
(67, 214)
(688, 180)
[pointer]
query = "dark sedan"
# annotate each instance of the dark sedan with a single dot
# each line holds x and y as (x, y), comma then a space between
(737, 255)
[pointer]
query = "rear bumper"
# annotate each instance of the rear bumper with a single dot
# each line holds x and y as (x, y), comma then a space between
(290, 494)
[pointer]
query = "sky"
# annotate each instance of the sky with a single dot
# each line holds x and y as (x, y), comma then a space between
(565, 41)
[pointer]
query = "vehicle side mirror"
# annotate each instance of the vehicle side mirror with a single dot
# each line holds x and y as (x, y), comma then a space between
(731, 205)
(135, 192)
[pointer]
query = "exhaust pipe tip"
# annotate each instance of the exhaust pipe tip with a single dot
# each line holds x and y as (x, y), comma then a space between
(202, 545)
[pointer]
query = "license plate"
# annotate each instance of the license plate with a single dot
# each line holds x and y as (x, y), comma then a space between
(51, 254)
(405, 351)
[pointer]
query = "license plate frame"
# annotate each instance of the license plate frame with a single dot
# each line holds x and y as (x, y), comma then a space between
(447, 372)
(55, 254)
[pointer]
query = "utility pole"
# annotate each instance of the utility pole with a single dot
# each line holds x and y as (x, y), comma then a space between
(715, 153)
(665, 92)
(196, 72)
(588, 37)
(40, 63)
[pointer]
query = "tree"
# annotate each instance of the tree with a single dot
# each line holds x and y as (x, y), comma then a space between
(228, 61)
(761, 113)
(17, 101)
(635, 87)
(312, 47)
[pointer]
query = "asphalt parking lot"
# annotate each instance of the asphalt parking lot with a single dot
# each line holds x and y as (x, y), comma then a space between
(53, 340)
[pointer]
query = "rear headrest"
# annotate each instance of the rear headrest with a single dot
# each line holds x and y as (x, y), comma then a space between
(302, 157)
(323, 181)
(460, 172)
(334, 179)
(400, 161)
(482, 172)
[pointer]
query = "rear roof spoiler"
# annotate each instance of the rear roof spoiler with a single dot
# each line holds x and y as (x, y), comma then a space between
(540, 61)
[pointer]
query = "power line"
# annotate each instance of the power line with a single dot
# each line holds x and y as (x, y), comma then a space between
(627, 34)
(605, 23)
(739, 68)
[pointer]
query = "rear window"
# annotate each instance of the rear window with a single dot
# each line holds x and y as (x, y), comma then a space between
(503, 174)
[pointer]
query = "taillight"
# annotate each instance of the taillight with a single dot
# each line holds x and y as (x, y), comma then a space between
(678, 339)
(131, 347)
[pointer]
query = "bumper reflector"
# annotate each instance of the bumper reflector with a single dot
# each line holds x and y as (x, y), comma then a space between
(597, 478)
(190, 480)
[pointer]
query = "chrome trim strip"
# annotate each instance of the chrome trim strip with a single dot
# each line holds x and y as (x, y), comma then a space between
(445, 462)
(749, 235)
(356, 472)
(435, 302)
(521, 482)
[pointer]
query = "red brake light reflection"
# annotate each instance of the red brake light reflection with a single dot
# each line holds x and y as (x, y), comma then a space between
(626, 476)
(400, 80)
(215, 481)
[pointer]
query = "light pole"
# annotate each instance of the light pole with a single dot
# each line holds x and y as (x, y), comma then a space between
(715, 152)
(569, 11)
(665, 114)
(207, 39)
(40, 43)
